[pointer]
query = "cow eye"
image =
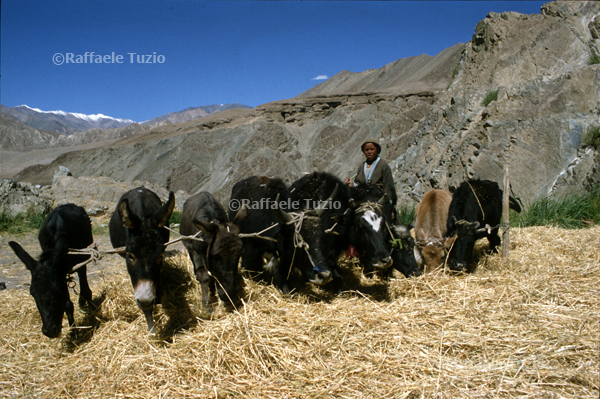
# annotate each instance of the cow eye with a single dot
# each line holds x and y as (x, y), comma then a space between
(131, 258)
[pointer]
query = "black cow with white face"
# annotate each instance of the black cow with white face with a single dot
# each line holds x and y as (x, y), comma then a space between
(316, 232)
(379, 243)
(137, 224)
(369, 233)
(260, 258)
(475, 212)
(67, 226)
(216, 258)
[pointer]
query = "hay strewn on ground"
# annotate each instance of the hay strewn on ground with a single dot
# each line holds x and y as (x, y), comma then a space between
(528, 327)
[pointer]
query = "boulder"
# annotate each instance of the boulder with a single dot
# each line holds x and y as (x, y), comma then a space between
(17, 198)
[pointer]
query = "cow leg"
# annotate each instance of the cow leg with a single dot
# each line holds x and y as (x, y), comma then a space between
(207, 287)
(494, 240)
(212, 285)
(69, 312)
(85, 293)
(386, 274)
(336, 283)
(280, 275)
(252, 261)
(281, 281)
(203, 277)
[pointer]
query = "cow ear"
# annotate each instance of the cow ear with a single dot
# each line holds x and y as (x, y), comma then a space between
(383, 199)
(450, 241)
(208, 228)
(240, 216)
(30, 263)
(163, 215)
(337, 218)
(129, 219)
(418, 257)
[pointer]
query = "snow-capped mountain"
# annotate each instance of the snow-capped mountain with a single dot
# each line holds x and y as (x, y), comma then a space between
(61, 121)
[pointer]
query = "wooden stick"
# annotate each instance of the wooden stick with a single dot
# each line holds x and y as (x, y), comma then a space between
(505, 213)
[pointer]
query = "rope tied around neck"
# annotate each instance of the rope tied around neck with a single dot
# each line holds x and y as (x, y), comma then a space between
(369, 206)
(477, 199)
(297, 220)
(96, 255)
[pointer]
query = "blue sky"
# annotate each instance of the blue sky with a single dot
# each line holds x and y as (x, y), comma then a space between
(211, 52)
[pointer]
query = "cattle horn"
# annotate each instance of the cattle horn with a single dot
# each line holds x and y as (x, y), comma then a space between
(487, 228)
(240, 216)
(281, 215)
(351, 204)
(383, 199)
(323, 207)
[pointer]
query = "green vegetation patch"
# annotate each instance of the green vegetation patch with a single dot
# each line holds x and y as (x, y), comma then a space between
(592, 137)
(571, 212)
(22, 222)
(175, 217)
(489, 97)
(594, 59)
(100, 230)
(455, 70)
(406, 216)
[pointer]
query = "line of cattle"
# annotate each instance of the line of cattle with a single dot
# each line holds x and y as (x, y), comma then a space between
(300, 246)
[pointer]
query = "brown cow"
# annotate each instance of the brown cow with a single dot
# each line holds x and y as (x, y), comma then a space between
(430, 229)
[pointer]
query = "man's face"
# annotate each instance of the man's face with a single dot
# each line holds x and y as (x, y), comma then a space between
(370, 151)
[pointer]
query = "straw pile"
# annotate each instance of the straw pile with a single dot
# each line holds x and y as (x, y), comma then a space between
(526, 327)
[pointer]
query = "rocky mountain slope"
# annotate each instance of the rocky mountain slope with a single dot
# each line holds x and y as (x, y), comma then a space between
(192, 113)
(412, 74)
(547, 98)
(61, 121)
(17, 136)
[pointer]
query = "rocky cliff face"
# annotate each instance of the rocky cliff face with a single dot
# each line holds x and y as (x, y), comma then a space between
(547, 98)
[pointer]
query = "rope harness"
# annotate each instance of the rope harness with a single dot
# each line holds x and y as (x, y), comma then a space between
(477, 199)
(297, 220)
(369, 206)
(430, 241)
(96, 255)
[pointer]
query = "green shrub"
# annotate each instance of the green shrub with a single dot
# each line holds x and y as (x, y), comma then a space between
(489, 97)
(592, 137)
(455, 70)
(22, 222)
(571, 212)
(175, 217)
(594, 59)
(406, 216)
(100, 230)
